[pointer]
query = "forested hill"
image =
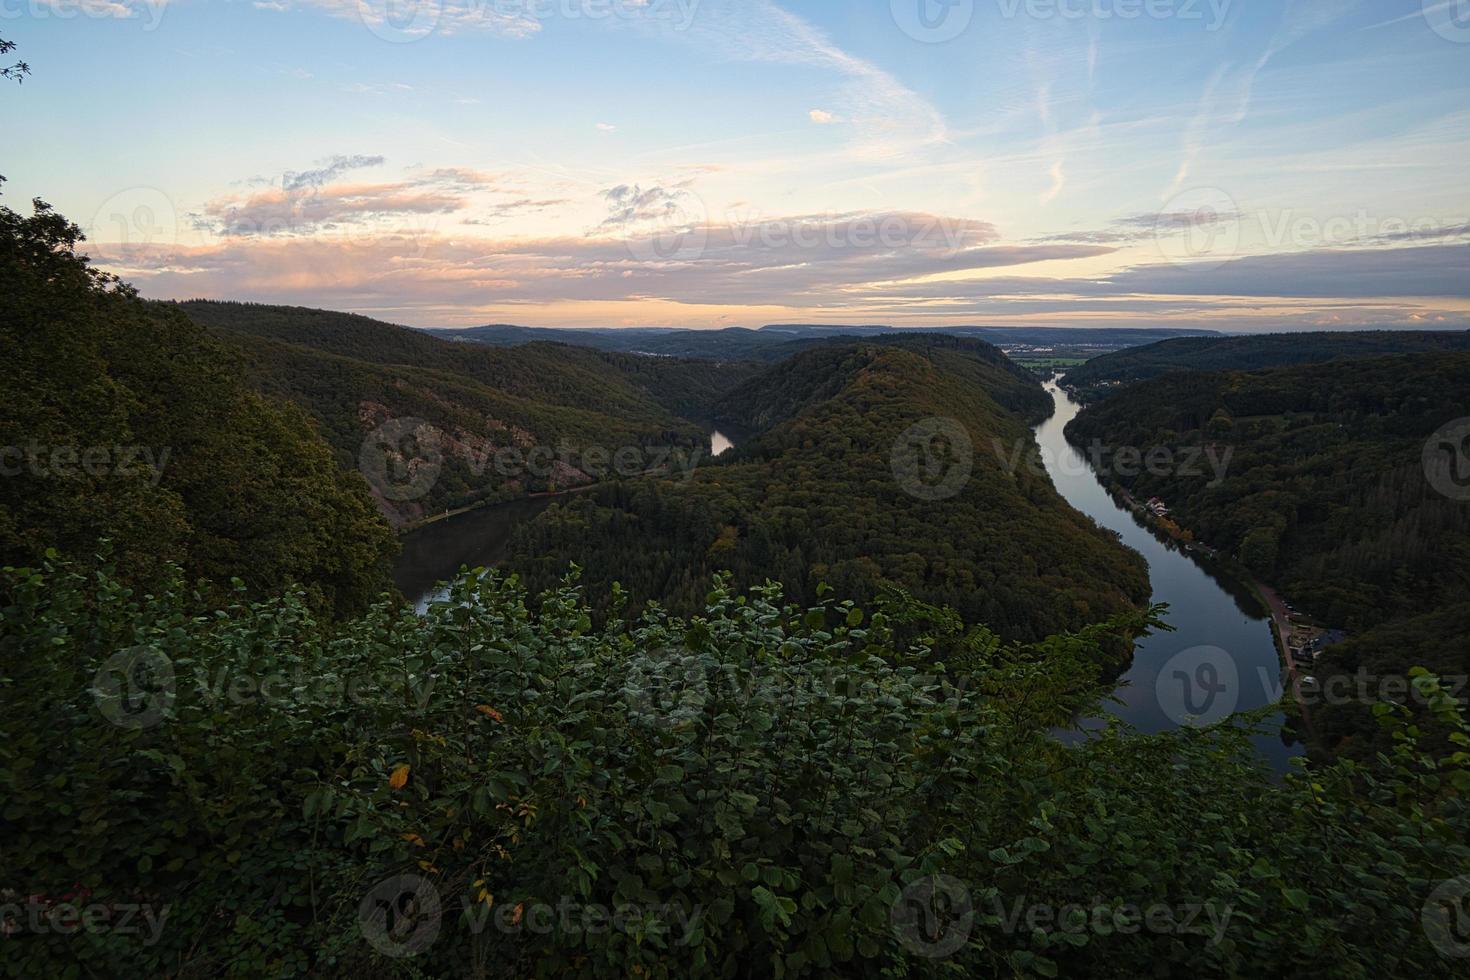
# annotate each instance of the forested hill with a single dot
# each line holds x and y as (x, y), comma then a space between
(468, 406)
(811, 378)
(879, 462)
(141, 446)
(634, 388)
(1327, 493)
(1102, 376)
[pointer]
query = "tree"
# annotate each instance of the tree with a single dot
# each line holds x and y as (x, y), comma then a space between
(17, 71)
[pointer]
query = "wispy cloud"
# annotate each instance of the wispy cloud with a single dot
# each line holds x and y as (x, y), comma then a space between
(886, 117)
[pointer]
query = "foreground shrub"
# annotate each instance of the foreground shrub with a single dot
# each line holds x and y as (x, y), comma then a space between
(503, 788)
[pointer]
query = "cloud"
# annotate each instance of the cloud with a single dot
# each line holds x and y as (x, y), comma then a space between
(1424, 271)
(419, 18)
(822, 117)
(332, 168)
(281, 211)
(828, 271)
(630, 203)
(1424, 231)
(1142, 227)
(606, 127)
(509, 208)
(802, 261)
(308, 201)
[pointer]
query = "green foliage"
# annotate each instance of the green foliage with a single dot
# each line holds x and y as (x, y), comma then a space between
(123, 421)
(784, 776)
(813, 498)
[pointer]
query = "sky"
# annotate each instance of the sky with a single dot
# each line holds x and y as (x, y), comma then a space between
(1232, 164)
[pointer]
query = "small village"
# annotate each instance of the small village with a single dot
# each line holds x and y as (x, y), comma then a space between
(1302, 641)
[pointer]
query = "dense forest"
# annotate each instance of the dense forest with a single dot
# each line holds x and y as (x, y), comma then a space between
(129, 433)
(814, 497)
(478, 406)
(1102, 376)
(1326, 496)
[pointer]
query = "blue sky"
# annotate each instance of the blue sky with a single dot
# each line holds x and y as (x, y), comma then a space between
(1244, 165)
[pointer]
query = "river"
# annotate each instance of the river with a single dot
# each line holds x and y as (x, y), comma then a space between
(477, 538)
(1222, 655)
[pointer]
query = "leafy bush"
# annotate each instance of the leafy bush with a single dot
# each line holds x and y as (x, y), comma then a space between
(759, 790)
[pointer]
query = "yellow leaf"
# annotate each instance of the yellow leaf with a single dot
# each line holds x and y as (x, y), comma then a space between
(399, 779)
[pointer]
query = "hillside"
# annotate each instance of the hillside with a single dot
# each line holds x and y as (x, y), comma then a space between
(634, 388)
(1102, 376)
(477, 410)
(127, 424)
(873, 463)
(1326, 494)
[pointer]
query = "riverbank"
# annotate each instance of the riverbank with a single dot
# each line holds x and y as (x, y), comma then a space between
(1282, 627)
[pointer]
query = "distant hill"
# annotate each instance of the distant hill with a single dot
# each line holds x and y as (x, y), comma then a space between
(777, 341)
(1102, 375)
(355, 374)
(825, 492)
